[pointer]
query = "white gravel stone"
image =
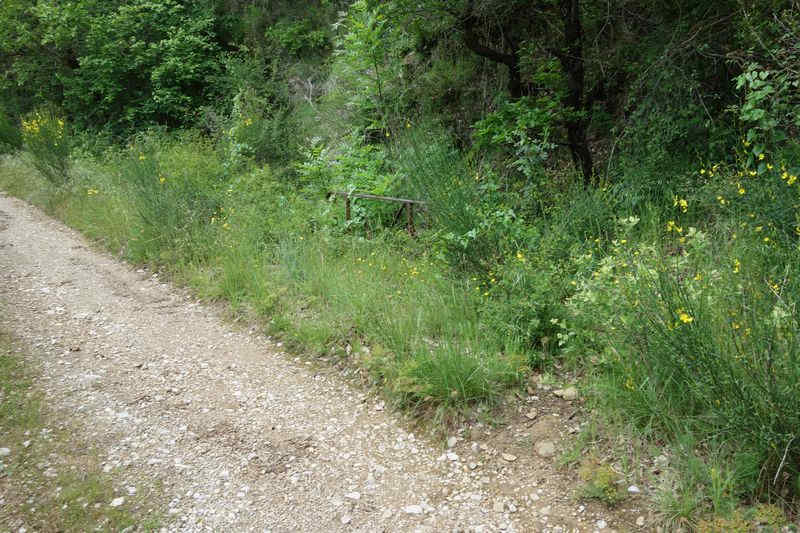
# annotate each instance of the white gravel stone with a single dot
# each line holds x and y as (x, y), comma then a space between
(545, 448)
(116, 502)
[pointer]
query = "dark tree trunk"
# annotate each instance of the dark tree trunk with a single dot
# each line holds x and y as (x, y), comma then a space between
(511, 60)
(578, 106)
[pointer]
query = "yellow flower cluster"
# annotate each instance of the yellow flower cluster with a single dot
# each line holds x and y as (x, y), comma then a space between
(683, 316)
(35, 125)
(672, 226)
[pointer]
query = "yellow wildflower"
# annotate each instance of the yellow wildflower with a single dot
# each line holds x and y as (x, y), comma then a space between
(672, 226)
(684, 317)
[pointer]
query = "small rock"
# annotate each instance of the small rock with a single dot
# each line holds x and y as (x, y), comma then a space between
(380, 406)
(452, 456)
(473, 466)
(601, 524)
(498, 507)
(545, 448)
(26, 444)
(412, 509)
(508, 457)
(512, 508)
(353, 496)
(387, 514)
(640, 521)
(633, 489)
(346, 519)
(451, 442)
(116, 502)
(4, 452)
(569, 394)
(532, 414)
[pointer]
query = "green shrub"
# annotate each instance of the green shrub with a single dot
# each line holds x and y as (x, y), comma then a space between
(177, 189)
(144, 63)
(47, 141)
(698, 335)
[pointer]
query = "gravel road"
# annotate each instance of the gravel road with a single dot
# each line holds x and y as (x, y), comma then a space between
(241, 435)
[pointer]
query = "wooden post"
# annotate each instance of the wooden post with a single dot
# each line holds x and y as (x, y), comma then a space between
(410, 218)
(347, 208)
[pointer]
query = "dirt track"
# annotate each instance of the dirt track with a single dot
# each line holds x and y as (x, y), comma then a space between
(243, 436)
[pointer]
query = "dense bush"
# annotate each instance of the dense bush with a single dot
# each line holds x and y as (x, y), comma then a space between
(47, 140)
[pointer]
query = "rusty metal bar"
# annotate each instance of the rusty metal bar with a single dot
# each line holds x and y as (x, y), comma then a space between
(410, 218)
(408, 206)
(374, 197)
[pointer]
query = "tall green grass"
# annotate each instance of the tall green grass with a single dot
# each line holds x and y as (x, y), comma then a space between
(388, 303)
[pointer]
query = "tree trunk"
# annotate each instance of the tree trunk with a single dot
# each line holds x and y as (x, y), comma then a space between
(574, 101)
(511, 60)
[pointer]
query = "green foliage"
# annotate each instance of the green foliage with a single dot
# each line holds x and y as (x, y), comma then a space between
(145, 62)
(297, 37)
(366, 68)
(768, 111)
(352, 167)
(261, 129)
(10, 134)
(523, 128)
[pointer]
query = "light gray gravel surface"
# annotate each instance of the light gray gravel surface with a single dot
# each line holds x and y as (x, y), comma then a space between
(243, 436)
